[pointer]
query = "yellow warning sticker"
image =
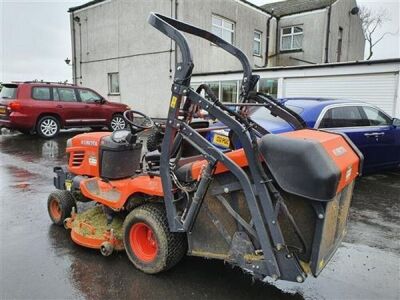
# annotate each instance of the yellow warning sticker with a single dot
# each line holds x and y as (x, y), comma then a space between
(173, 101)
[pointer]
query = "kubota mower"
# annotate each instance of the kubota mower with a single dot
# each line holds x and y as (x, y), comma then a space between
(276, 208)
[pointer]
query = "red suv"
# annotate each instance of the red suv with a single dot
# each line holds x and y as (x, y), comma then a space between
(45, 108)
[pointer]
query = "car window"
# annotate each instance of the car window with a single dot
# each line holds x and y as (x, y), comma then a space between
(64, 94)
(345, 116)
(376, 117)
(262, 113)
(88, 96)
(8, 91)
(41, 93)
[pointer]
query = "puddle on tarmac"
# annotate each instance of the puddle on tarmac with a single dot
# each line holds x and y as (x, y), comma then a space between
(355, 272)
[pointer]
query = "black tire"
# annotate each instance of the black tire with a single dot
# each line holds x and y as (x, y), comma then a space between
(117, 122)
(65, 203)
(154, 141)
(48, 127)
(171, 246)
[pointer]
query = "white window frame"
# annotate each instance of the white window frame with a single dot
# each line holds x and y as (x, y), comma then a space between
(291, 35)
(224, 20)
(109, 75)
(258, 41)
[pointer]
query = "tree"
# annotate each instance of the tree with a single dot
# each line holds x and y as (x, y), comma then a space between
(371, 20)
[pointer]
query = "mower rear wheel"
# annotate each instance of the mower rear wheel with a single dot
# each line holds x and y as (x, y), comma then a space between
(149, 244)
(59, 206)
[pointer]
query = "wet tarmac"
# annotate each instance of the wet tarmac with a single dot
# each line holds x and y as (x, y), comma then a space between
(39, 261)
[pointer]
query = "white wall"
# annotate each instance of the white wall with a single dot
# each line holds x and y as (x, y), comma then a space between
(114, 36)
(376, 83)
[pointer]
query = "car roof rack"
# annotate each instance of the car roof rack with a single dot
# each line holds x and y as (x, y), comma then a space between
(48, 82)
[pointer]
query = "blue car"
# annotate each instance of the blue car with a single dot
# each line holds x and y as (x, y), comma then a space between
(374, 132)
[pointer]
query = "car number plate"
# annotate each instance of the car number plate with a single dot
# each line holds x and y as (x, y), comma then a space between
(68, 185)
(2, 110)
(221, 140)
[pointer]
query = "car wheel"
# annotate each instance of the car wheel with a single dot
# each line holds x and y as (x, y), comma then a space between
(48, 127)
(117, 122)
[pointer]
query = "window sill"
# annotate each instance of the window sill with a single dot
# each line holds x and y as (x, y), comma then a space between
(291, 51)
(258, 55)
(113, 94)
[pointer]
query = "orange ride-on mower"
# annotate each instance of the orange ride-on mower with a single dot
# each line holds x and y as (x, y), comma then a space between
(276, 208)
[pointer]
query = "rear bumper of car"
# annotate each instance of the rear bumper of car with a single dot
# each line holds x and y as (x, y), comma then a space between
(17, 120)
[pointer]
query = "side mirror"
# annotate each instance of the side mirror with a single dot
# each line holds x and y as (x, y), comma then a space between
(396, 122)
(101, 101)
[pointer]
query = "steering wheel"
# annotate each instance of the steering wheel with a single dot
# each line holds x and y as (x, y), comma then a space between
(138, 121)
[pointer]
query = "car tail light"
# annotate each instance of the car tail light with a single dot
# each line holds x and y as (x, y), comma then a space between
(14, 106)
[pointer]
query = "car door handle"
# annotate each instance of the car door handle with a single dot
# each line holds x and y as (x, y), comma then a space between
(374, 134)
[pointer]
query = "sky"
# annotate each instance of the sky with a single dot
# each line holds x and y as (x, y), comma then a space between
(35, 37)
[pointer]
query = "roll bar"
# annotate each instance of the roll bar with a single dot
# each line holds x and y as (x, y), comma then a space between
(171, 28)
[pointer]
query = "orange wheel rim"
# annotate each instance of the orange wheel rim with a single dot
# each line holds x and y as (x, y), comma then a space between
(55, 209)
(143, 242)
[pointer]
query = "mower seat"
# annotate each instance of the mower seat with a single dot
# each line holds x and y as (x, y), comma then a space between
(152, 159)
(301, 166)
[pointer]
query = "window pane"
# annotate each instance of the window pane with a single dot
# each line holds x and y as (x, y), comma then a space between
(298, 29)
(228, 25)
(229, 91)
(217, 31)
(257, 43)
(88, 96)
(214, 86)
(8, 92)
(55, 94)
(41, 93)
(113, 81)
(347, 116)
(256, 48)
(268, 86)
(66, 94)
(216, 21)
(287, 30)
(376, 117)
(297, 41)
(286, 42)
(227, 36)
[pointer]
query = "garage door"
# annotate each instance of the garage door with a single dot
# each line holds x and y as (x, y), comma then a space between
(376, 89)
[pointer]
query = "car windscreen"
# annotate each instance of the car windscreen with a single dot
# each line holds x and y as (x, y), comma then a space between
(264, 114)
(8, 91)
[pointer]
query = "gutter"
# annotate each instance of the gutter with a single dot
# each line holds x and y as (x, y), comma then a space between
(73, 48)
(328, 30)
(277, 44)
(267, 39)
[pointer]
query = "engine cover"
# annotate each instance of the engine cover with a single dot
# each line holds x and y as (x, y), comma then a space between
(95, 154)
(83, 153)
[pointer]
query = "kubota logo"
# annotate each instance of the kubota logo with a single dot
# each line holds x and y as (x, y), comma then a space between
(88, 143)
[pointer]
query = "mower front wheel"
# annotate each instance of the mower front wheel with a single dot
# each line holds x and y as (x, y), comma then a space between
(149, 244)
(59, 206)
